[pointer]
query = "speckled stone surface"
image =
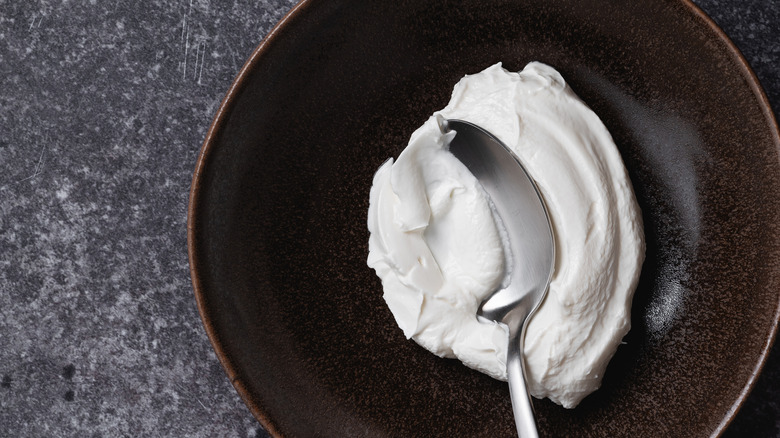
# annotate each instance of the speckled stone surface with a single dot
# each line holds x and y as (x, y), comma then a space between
(103, 107)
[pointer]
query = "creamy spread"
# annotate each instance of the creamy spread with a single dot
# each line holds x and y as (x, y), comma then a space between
(435, 244)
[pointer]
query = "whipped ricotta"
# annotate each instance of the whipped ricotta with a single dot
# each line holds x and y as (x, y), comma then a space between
(435, 244)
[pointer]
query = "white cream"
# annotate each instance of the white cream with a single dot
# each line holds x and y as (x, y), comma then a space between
(435, 245)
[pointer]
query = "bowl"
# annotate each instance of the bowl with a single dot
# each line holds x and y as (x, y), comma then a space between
(277, 218)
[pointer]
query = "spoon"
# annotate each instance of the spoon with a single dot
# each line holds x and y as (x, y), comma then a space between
(520, 207)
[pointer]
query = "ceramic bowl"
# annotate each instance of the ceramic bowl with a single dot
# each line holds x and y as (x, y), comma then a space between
(277, 218)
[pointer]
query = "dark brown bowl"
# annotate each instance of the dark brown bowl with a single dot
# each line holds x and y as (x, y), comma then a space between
(277, 218)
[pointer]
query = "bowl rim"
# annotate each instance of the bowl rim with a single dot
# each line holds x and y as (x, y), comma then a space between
(218, 123)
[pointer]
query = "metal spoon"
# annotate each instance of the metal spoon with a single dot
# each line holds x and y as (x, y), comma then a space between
(521, 208)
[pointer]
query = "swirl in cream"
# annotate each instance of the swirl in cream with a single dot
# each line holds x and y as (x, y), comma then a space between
(436, 247)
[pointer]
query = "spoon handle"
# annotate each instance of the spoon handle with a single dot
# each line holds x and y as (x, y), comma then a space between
(521, 400)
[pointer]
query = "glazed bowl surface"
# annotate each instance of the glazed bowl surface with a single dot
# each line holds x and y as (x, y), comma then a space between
(277, 219)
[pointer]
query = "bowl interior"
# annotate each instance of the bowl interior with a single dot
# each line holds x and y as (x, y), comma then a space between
(278, 237)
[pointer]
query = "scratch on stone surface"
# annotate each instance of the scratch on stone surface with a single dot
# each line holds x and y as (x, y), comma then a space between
(233, 57)
(185, 32)
(35, 17)
(38, 166)
(183, 26)
(202, 61)
(186, 51)
(184, 391)
(190, 71)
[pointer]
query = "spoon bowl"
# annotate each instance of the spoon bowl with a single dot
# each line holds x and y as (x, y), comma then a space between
(520, 210)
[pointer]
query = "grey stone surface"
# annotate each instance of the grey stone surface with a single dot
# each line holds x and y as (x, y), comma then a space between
(103, 106)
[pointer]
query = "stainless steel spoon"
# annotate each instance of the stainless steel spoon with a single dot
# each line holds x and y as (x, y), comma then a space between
(521, 208)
